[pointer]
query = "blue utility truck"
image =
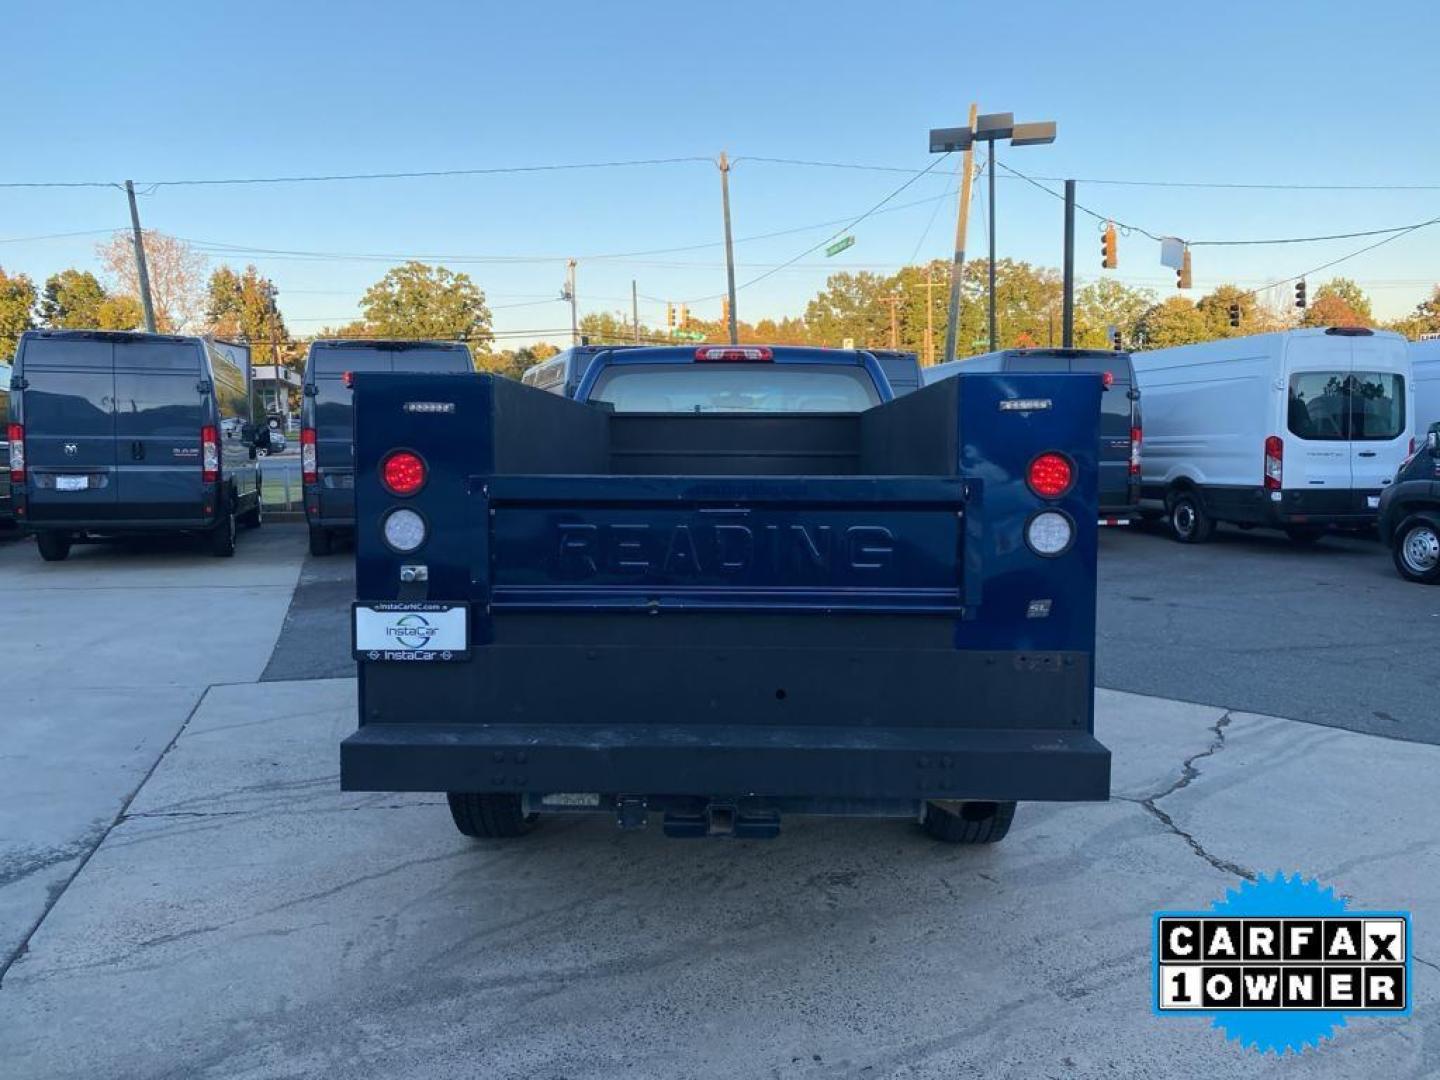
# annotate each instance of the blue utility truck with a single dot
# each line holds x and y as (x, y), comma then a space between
(721, 584)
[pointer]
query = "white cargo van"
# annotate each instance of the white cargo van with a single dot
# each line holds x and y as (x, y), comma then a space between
(1297, 431)
(1425, 359)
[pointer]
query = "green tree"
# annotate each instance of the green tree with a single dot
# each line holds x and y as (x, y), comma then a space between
(850, 307)
(1425, 319)
(75, 300)
(242, 307)
(17, 310)
(1106, 303)
(1338, 302)
(420, 301)
(1174, 321)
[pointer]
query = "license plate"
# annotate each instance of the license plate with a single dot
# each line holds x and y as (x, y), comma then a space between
(1372, 501)
(411, 633)
(71, 483)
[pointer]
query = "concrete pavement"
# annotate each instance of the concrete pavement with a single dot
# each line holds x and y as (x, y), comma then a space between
(246, 919)
(106, 655)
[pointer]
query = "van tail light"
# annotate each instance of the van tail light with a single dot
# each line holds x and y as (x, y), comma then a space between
(309, 473)
(1274, 462)
(209, 454)
(16, 434)
(713, 354)
(1050, 475)
(1135, 437)
(402, 472)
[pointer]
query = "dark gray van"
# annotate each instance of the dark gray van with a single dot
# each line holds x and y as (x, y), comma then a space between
(116, 433)
(7, 508)
(1120, 427)
(327, 445)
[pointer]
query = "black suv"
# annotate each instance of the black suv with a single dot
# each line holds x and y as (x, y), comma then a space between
(1410, 513)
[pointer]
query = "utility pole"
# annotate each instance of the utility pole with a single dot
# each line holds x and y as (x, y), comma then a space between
(569, 294)
(141, 269)
(635, 310)
(1067, 331)
(930, 286)
(962, 220)
(729, 245)
(893, 300)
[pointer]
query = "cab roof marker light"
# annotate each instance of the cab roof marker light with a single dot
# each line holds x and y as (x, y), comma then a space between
(734, 354)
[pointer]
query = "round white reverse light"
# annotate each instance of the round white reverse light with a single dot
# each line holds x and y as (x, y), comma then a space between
(404, 530)
(1049, 533)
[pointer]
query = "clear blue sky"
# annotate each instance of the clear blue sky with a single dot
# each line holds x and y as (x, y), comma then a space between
(1324, 93)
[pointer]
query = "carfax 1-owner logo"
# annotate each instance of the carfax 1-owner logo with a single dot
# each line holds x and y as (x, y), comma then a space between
(1280, 963)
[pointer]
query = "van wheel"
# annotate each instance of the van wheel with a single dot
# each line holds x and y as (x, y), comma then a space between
(1305, 535)
(968, 822)
(1189, 523)
(489, 817)
(54, 546)
(222, 536)
(1416, 549)
(322, 541)
(253, 519)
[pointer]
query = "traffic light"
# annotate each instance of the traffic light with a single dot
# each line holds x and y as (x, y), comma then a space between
(1300, 293)
(1182, 276)
(670, 316)
(684, 316)
(1234, 314)
(1108, 260)
(1119, 341)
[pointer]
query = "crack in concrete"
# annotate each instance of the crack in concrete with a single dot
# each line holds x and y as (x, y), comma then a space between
(98, 836)
(267, 809)
(1188, 774)
(1428, 963)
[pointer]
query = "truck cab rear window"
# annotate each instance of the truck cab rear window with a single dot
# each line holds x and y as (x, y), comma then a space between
(1338, 406)
(735, 388)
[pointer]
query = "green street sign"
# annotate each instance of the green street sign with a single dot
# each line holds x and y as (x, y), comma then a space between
(687, 335)
(840, 245)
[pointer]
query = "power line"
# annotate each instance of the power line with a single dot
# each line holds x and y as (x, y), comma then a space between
(63, 235)
(1397, 230)
(1218, 185)
(816, 247)
(1345, 258)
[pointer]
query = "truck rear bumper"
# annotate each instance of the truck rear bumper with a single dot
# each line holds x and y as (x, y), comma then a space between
(729, 760)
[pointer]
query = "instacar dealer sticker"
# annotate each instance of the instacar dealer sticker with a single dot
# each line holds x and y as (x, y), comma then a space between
(1280, 963)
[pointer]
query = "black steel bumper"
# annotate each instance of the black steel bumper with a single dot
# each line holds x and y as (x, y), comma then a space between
(729, 760)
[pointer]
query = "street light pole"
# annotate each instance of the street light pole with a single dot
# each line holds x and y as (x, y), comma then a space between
(991, 128)
(991, 194)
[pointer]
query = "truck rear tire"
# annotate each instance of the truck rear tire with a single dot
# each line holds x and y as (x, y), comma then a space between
(322, 541)
(489, 817)
(253, 519)
(1189, 523)
(968, 822)
(54, 546)
(1416, 549)
(222, 536)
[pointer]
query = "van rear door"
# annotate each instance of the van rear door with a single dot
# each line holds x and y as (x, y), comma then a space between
(1317, 442)
(68, 409)
(1379, 411)
(159, 411)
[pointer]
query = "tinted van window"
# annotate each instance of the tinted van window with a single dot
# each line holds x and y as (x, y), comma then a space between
(69, 353)
(146, 355)
(1336, 406)
(335, 362)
